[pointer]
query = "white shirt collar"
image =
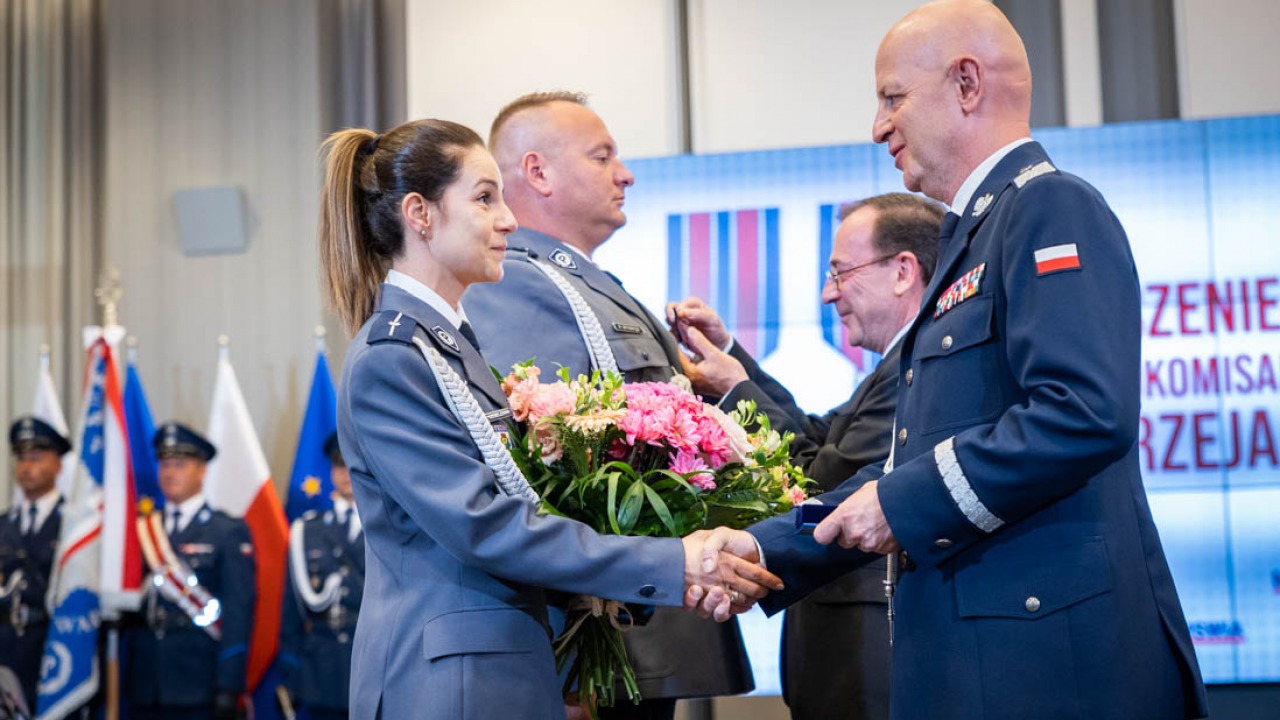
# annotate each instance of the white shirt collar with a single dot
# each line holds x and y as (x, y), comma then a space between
(188, 508)
(44, 508)
(897, 337)
(428, 296)
(340, 507)
(980, 173)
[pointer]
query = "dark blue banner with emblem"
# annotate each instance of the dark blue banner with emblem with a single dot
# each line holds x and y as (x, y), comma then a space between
(310, 484)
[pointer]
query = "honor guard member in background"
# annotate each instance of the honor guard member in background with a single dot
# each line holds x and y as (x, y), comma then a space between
(565, 183)
(835, 643)
(28, 544)
(322, 599)
(188, 656)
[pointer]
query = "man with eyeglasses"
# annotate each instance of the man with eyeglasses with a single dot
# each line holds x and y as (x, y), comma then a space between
(835, 643)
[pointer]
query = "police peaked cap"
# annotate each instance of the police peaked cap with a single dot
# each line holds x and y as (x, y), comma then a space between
(32, 433)
(332, 450)
(173, 439)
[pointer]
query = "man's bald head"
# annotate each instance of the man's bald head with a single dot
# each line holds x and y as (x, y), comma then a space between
(955, 86)
(943, 32)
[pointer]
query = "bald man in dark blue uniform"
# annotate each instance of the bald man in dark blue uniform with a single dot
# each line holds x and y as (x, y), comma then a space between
(28, 545)
(1033, 583)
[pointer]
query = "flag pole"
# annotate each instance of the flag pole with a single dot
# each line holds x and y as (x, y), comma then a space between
(108, 294)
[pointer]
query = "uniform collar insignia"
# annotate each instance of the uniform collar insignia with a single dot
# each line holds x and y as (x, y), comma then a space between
(981, 205)
(443, 336)
(204, 515)
(562, 258)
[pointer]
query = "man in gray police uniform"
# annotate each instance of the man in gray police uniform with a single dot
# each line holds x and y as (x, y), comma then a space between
(564, 182)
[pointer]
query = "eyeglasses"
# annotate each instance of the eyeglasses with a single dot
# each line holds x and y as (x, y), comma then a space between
(833, 275)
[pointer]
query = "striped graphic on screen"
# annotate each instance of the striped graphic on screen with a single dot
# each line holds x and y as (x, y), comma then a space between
(833, 332)
(730, 260)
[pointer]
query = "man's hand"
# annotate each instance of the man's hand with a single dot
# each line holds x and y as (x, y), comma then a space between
(692, 312)
(722, 574)
(717, 372)
(859, 522)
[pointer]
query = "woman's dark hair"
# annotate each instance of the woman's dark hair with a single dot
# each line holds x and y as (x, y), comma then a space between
(366, 177)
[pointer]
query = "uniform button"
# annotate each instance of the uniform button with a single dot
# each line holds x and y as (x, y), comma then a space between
(648, 591)
(910, 374)
(946, 343)
(942, 543)
(1033, 603)
(344, 638)
(902, 436)
(645, 354)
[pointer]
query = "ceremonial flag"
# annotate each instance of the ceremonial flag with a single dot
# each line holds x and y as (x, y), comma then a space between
(142, 430)
(98, 565)
(238, 482)
(310, 484)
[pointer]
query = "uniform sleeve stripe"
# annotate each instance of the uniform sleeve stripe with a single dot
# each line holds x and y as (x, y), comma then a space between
(944, 454)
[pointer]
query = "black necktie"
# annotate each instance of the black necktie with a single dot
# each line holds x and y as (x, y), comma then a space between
(948, 231)
(470, 335)
(31, 519)
(174, 518)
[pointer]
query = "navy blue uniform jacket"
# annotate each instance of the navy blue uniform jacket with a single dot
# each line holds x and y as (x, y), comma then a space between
(1037, 586)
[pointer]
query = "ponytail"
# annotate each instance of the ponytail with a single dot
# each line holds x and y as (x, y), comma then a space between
(350, 274)
(366, 176)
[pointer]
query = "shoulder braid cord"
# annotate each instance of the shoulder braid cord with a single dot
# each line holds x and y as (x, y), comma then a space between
(316, 600)
(466, 409)
(588, 324)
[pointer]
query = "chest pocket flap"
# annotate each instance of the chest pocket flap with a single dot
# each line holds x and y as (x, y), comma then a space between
(968, 324)
(470, 632)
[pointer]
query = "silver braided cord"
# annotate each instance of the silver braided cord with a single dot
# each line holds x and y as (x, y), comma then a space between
(465, 408)
(588, 324)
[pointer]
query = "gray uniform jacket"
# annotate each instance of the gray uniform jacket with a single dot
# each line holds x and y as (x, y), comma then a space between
(524, 316)
(453, 623)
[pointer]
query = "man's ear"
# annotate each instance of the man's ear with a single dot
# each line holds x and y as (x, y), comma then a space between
(908, 272)
(965, 75)
(416, 215)
(537, 172)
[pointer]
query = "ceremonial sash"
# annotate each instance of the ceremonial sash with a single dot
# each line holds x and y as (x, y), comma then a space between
(315, 600)
(176, 582)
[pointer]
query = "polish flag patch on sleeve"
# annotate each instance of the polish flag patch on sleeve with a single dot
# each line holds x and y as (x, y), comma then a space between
(1057, 257)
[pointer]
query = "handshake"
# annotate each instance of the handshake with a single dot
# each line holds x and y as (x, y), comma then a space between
(723, 573)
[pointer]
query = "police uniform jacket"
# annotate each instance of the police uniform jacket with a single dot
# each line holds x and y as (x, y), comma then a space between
(1036, 584)
(524, 316)
(453, 622)
(24, 617)
(315, 646)
(835, 642)
(172, 661)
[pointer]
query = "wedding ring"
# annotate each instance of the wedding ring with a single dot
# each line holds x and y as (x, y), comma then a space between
(734, 595)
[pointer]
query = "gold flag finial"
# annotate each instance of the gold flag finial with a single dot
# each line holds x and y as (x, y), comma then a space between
(108, 294)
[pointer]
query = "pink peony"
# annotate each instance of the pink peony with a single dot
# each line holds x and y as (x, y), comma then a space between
(550, 400)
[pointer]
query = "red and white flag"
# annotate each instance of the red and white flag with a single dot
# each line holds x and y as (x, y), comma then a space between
(1057, 257)
(238, 482)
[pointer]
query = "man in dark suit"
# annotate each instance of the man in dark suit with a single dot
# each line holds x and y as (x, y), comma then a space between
(835, 643)
(189, 648)
(323, 589)
(566, 185)
(1034, 583)
(28, 545)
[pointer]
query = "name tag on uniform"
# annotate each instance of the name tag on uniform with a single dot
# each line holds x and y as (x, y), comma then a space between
(498, 415)
(629, 329)
(195, 548)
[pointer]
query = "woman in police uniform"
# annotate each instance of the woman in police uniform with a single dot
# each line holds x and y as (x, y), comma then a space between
(453, 623)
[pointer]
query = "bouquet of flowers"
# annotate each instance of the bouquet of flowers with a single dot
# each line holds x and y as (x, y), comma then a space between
(646, 459)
